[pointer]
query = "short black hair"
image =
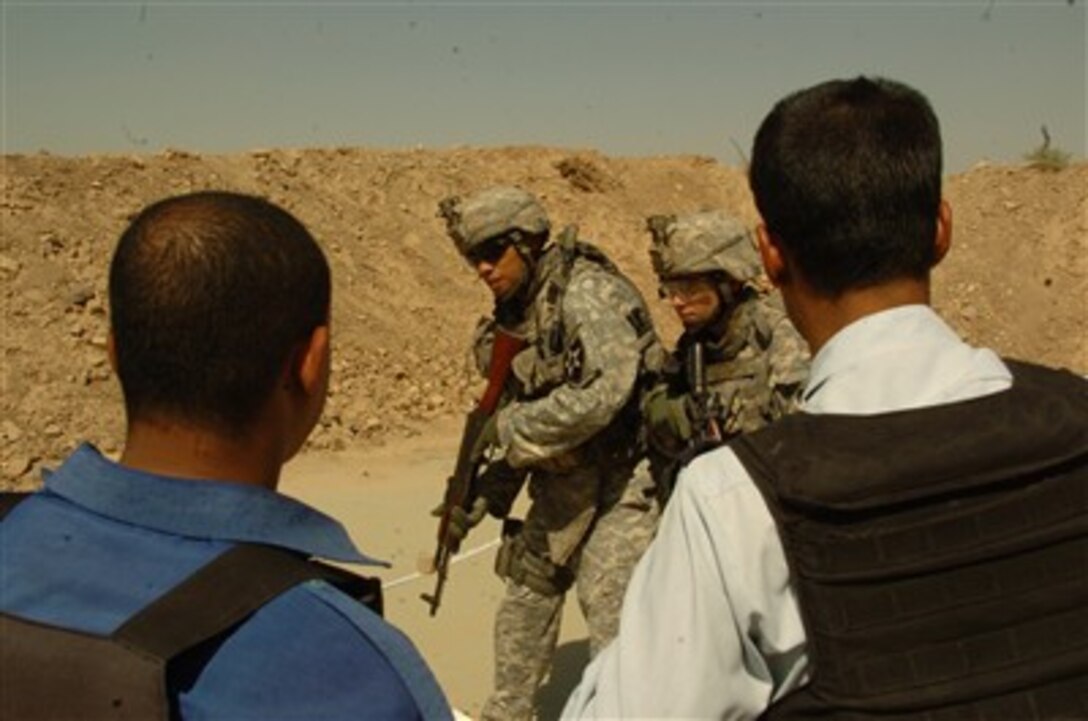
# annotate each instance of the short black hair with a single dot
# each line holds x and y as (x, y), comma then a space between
(210, 293)
(847, 175)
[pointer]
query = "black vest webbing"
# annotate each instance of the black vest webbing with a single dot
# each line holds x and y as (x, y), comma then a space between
(49, 673)
(940, 555)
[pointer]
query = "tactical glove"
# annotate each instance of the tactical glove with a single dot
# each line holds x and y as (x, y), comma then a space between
(667, 419)
(462, 521)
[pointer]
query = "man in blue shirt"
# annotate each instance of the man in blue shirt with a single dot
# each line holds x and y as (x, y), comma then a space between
(219, 309)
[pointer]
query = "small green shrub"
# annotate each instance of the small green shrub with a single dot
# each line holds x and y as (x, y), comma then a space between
(1045, 157)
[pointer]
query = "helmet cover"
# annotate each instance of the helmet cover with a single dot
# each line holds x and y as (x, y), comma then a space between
(703, 242)
(491, 213)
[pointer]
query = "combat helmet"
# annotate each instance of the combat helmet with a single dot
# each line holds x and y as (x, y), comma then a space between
(491, 213)
(705, 242)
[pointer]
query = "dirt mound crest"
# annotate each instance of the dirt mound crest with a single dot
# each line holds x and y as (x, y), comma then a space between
(405, 304)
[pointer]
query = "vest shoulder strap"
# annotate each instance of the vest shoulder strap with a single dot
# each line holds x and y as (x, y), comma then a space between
(1039, 423)
(10, 499)
(227, 590)
(137, 672)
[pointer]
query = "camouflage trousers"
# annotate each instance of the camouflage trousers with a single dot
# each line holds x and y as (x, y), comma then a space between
(601, 559)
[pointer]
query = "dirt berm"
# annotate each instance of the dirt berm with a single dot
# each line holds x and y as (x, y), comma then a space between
(404, 304)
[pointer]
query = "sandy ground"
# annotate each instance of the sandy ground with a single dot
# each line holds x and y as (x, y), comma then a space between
(383, 497)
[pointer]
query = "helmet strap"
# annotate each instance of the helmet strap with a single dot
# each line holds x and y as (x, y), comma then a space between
(728, 301)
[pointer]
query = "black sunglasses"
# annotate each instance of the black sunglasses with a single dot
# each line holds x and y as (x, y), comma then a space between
(488, 251)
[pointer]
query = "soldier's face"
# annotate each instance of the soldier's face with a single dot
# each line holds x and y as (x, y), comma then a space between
(694, 299)
(503, 275)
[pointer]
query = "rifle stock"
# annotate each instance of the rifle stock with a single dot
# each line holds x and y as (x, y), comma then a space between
(461, 485)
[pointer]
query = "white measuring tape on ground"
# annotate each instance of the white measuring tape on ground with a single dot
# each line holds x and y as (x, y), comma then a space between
(456, 559)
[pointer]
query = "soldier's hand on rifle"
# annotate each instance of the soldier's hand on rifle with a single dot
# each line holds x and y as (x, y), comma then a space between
(462, 521)
(488, 437)
(668, 420)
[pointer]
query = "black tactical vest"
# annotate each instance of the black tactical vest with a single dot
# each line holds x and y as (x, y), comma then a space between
(136, 673)
(940, 555)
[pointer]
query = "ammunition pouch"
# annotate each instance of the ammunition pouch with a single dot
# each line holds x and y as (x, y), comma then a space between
(517, 562)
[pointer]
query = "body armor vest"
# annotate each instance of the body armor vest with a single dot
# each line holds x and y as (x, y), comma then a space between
(136, 673)
(553, 358)
(552, 364)
(738, 368)
(940, 555)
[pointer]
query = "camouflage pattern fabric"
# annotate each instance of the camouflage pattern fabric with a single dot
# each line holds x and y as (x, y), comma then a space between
(706, 242)
(759, 368)
(756, 368)
(490, 213)
(573, 423)
(527, 623)
(582, 366)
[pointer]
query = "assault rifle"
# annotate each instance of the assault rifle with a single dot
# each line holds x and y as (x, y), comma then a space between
(461, 486)
(705, 410)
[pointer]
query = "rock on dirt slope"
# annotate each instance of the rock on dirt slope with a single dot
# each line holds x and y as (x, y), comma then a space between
(405, 305)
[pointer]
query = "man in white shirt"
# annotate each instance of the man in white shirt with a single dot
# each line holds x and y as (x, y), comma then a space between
(908, 544)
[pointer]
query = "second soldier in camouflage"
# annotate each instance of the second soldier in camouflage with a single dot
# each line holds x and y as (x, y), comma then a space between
(754, 361)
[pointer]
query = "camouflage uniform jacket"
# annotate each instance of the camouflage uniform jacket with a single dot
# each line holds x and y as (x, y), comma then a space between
(590, 342)
(756, 369)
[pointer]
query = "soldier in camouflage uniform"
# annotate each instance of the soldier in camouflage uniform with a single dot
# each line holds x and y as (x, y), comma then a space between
(755, 362)
(570, 425)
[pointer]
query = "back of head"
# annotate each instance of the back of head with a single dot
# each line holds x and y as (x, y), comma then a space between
(210, 293)
(847, 176)
(705, 242)
(492, 213)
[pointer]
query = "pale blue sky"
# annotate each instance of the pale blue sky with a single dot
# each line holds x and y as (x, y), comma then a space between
(627, 78)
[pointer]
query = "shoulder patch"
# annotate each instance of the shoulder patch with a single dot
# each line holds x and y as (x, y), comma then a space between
(574, 361)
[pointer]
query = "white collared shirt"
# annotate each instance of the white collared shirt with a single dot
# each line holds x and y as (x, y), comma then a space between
(710, 626)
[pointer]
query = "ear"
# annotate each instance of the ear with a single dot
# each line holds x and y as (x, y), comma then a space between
(943, 240)
(313, 361)
(770, 251)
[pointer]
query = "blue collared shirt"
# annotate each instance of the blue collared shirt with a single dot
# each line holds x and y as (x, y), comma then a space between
(102, 541)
